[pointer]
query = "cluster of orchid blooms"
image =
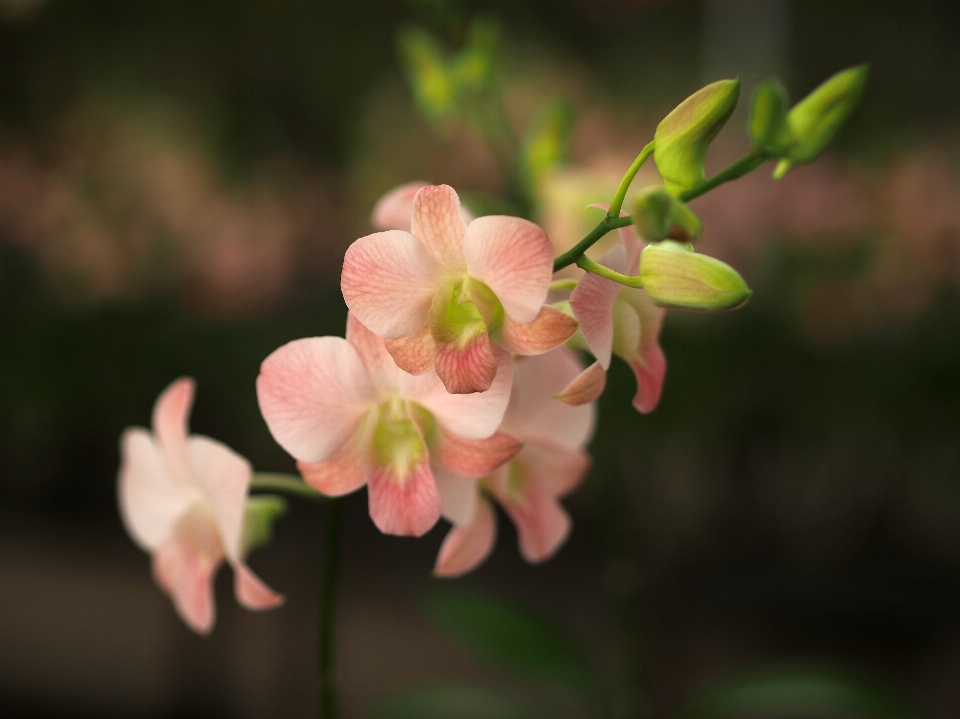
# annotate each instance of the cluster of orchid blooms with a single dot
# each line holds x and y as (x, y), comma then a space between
(457, 383)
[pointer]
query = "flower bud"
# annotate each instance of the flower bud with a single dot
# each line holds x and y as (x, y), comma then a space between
(658, 216)
(768, 125)
(683, 136)
(259, 514)
(815, 120)
(675, 276)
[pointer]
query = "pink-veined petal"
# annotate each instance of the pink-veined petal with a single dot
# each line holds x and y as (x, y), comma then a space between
(473, 457)
(557, 470)
(651, 316)
(514, 258)
(585, 387)
(458, 494)
(393, 210)
(184, 566)
(466, 546)
(404, 505)
(592, 304)
(466, 368)
(250, 590)
(474, 416)
(381, 367)
(533, 412)
(171, 415)
(542, 524)
(151, 499)
(388, 282)
(415, 353)
(650, 370)
(224, 477)
(345, 471)
(626, 330)
(439, 225)
(313, 393)
(550, 329)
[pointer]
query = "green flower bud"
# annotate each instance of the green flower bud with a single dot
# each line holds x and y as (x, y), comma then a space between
(815, 120)
(683, 136)
(768, 125)
(434, 86)
(675, 276)
(261, 511)
(658, 216)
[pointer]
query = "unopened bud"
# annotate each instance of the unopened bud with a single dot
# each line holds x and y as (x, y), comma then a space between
(683, 136)
(673, 275)
(658, 216)
(815, 120)
(768, 125)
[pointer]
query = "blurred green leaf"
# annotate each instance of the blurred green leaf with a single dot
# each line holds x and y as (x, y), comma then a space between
(474, 68)
(429, 73)
(453, 703)
(547, 143)
(800, 694)
(514, 638)
(768, 126)
(261, 511)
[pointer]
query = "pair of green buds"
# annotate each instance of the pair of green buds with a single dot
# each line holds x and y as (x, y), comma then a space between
(672, 274)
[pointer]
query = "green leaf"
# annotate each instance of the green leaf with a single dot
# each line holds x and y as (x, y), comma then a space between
(683, 136)
(768, 125)
(259, 514)
(514, 638)
(474, 68)
(675, 276)
(453, 702)
(428, 71)
(547, 143)
(800, 694)
(658, 216)
(816, 119)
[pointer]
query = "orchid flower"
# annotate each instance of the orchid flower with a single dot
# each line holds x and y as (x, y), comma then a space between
(620, 320)
(550, 464)
(182, 498)
(351, 417)
(441, 291)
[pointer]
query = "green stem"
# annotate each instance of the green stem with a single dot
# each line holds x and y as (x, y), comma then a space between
(749, 162)
(328, 590)
(563, 285)
(617, 203)
(286, 483)
(585, 263)
(606, 225)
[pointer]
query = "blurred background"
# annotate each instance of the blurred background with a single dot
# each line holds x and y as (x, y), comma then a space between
(178, 182)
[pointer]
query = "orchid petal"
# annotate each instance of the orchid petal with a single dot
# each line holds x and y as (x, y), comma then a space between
(542, 524)
(627, 330)
(225, 477)
(313, 393)
(466, 546)
(473, 457)
(250, 590)
(171, 414)
(473, 416)
(151, 499)
(586, 387)
(514, 258)
(345, 471)
(649, 370)
(414, 354)
(381, 367)
(550, 329)
(459, 495)
(631, 241)
(393, 210)
(404, 506)
(467, 368)
(592, 304)
(389, 281)
(535, 414)
(437, 223)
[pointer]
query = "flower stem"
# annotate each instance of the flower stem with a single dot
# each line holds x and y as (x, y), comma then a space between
(605, 225)
(617, 203)
(326, 655)
(749, 162)
(585, 263)
(286, 483)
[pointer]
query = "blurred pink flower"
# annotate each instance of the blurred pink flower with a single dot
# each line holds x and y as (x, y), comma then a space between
(549, 466)
(182, 498)
(351, 417)
(440, 292)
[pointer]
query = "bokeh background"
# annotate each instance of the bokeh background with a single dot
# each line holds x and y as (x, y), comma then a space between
(178, 182)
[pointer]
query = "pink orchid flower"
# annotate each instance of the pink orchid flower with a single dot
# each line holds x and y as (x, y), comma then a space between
(351, 417)
(550, 465)
(441, 291)
(182, 498)
(620, 320)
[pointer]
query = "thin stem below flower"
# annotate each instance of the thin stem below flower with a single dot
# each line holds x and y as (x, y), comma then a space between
(585, 263)
(285, 483)
(749, 162)
(618, 198)
(326, 655)
(564, 285)
(605, 225)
